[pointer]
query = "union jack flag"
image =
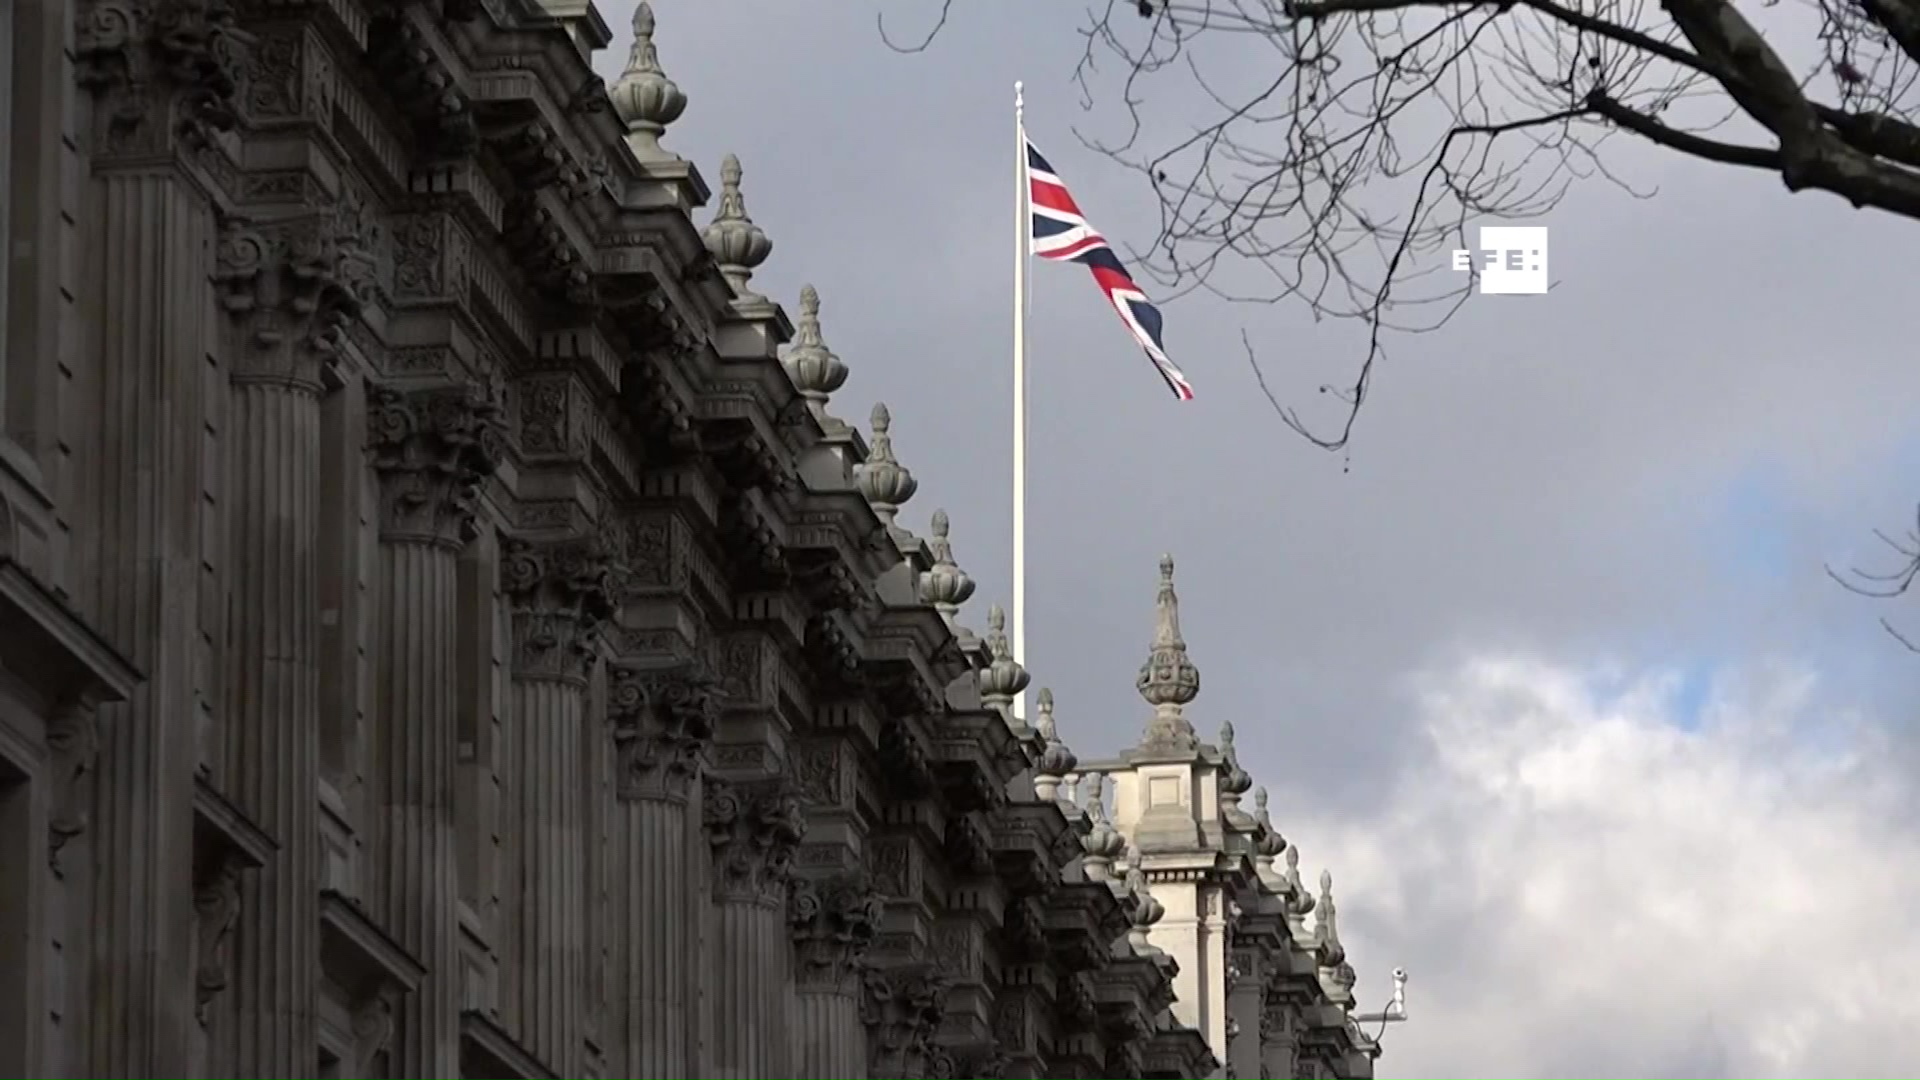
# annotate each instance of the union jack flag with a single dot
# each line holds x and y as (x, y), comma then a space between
(1061, 233)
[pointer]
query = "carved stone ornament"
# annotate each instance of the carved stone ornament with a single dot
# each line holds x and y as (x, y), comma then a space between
(984, 1063)
(902, 1009)
(373, 1024)
(1273, 1021)
(1074, 1005)
(73, 744)
(160, 69)
(754, 829)
(1125, 1059)
(1012, 1026)
(559, 593)
(663, 722)
(833, 921)
(420, 85)
(433, 448)
(216, 905)
(293, 288)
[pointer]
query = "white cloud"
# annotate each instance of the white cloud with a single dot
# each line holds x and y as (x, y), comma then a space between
(1583, 887)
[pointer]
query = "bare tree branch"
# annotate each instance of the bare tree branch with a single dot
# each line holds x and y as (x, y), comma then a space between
(1891, 584)
(1333, 153)
(880, 22)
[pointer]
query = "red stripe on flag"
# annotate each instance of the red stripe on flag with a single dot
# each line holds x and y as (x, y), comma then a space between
(1111, 279)
(1075, 249)
(1055, 197)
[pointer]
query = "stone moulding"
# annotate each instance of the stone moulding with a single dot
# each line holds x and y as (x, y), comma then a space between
(370, 969)
(488, 1051)
(72, 668)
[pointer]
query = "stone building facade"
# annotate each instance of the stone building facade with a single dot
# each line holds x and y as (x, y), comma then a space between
(444, 630)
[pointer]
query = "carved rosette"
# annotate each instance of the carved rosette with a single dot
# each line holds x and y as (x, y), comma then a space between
(216, 905)
(834, 921)
(292, 288)
(663, 724)
(560, 595)
(902, 1009)
(73, 744)
(433, 448)
(754, 829)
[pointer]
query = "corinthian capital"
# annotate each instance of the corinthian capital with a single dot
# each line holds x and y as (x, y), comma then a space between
(559, 594)
(161, 69)
(903, 1009)
(662, 722)
(433, 448)
(754, 829)
(834, 921)
(292, 287)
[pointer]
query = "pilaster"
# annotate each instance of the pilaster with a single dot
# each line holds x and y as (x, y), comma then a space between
(558, 595)
(1279, 1037)
(662, 723)
(833, 921)
(431, 447)
(1242, 1052)
(288, 288)
(753, 829)
(157, 72)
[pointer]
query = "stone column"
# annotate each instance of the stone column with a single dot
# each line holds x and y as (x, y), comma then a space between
(158, 82)
(753, 829)
(432, 448)
(833, 921)
(559, 598)
(662, 723)
(289, 288)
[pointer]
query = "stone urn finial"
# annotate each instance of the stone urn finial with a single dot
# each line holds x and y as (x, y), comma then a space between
(643, 97)
(885, 482)
(738, 245)
(815, 370)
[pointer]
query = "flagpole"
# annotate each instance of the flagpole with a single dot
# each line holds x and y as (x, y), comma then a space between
(1022, 229)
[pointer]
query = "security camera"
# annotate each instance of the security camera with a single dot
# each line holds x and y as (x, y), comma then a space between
(1400, 973)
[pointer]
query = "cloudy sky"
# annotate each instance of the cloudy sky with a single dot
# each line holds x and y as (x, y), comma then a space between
(1549, 674)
